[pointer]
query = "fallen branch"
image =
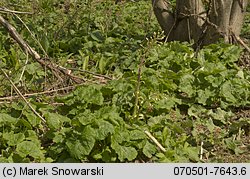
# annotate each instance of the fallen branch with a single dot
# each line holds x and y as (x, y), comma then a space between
(239, 40)
(201, 151)
(155, 141)
(44, 62)
(25, 100)
(4, 9)
(9, 98)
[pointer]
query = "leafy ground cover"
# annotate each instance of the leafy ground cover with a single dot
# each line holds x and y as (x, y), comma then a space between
(188, 100)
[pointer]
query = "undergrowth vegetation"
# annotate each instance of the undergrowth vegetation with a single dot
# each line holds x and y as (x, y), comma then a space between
(187, 100)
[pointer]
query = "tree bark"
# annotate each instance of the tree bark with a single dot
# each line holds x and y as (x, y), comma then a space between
(192, 22)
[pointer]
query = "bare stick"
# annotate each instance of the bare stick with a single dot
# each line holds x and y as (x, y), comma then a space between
(155, 141)
(201, 150)
(242, 43)
(24, 67)
(39, 93)
(25, 46)
(32, 35)
(12, 31)
(20, 94)
(4, 9)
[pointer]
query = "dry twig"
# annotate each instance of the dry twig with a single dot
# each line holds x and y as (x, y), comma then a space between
(239, 40)
(25, 46)
(9, 98)
(4, 9)
(20, 94)
(155, 141)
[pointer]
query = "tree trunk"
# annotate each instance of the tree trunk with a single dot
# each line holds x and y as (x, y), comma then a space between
(200, 21)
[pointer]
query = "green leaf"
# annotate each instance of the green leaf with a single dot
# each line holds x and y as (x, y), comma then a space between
(156, 120)
(13, 139)
(196, 111)
(186, 84)
(55, 121)
(108, 155)
(85, 63)
(193, 153)
(31, 135)
(110, 114)
(226, 92)
(26, 148)
(89, 94)
(59, 138)
(97, 36)
(102, 64)
(124, 152)
(137, 135)
(233, 145)
(86, 117)
(104, 129)
(204, 95)
(32, 118)
(240, 74)
(120, 135)
(45, 42)
(80, 146)
(215, 80)
(166, 103)
(7, 119)
(149, 149)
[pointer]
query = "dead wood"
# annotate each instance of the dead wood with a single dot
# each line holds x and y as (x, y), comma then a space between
(56, 69)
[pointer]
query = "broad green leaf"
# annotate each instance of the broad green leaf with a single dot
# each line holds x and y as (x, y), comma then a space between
(97, 36)
(166, 103)
(59, 138)
(13, 139)
(89, 94)
(32, 118)
(120, 135)
(204, 95)
(186, 84)
(215, 80)
(137, 135)
(82, 145)
(193, 153)
(210, 125)
(31, 135)
(240, 74)
(86, 117)
(108, 155)
(124, 152)
(196, 111)
(55, 121)
(110, 114)
(79, 149)
(234, 145)
(25, 123)
(149, 149)
(3, 160)
(7, 119)
(104, 129)
(222, 115)
(156, 120)
(26, 148)
(226, 92)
